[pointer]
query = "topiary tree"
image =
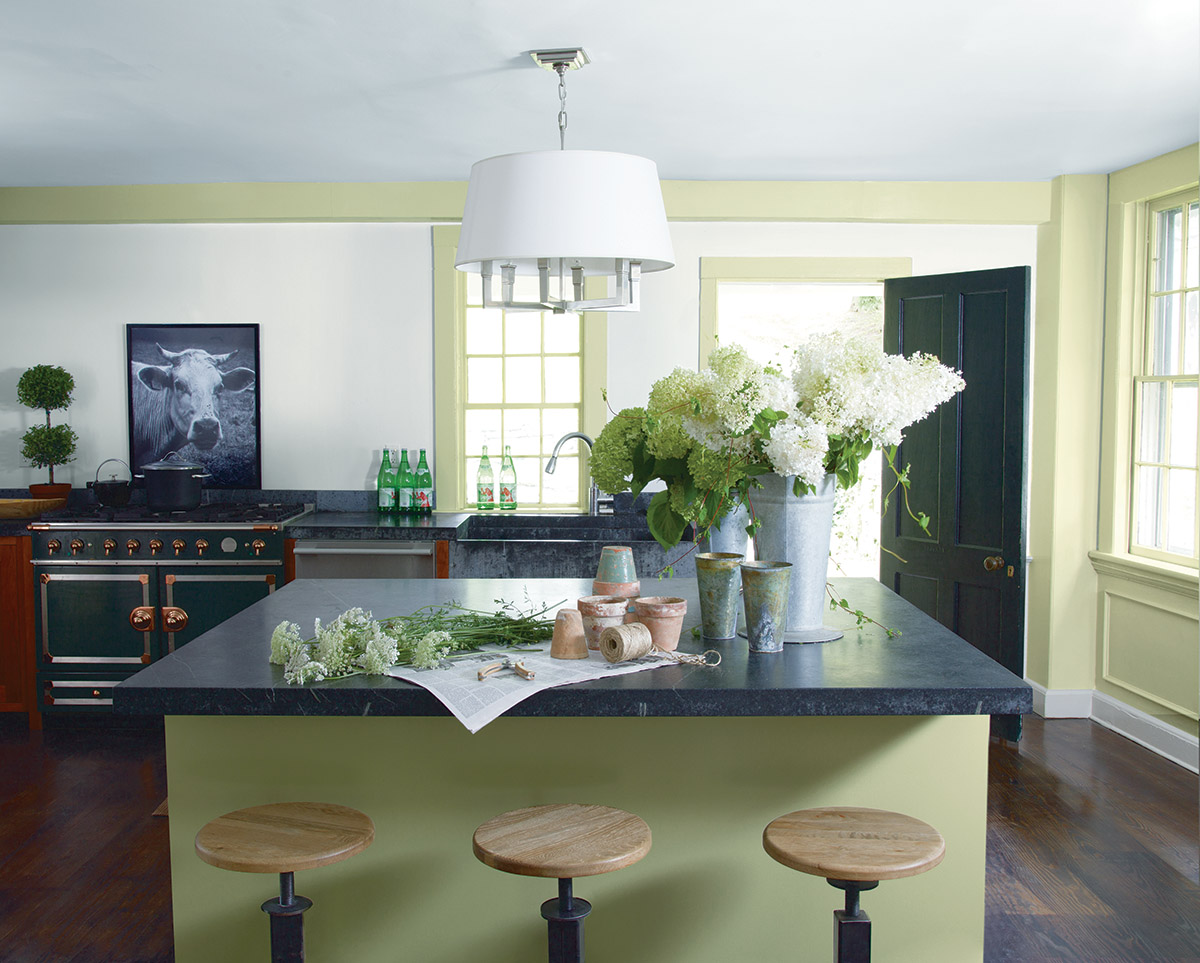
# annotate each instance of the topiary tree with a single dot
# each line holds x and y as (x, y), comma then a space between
(47, 387)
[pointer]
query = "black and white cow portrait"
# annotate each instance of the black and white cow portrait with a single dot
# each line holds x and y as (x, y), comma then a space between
(194, 401)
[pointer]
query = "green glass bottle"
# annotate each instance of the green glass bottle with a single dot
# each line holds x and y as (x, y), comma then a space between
(508, 481)
(385, 484)
(404, 482)
(422, 487)
(485, 484)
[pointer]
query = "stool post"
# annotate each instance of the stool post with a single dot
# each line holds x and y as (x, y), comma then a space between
(287, 922)
(851, 926)
(564, 924)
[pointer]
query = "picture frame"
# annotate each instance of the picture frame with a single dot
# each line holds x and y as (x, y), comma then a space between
(194, 389)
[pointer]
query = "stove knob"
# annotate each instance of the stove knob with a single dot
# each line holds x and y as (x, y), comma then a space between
(201, 546)
(133, 546)
(76, 546)
(53, 547)
(179, 545)
(110, 546)
(258, 545)
(155, 546)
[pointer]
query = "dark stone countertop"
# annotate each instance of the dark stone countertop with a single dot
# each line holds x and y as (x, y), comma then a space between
(926, 671)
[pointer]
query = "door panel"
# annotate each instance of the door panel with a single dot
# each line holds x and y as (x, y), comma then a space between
(209, 598)
(84, 619)
(967, 458)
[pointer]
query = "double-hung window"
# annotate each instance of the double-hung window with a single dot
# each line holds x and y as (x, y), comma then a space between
(1164, 522)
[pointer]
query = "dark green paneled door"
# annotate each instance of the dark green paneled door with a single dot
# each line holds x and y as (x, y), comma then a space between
(968, 461)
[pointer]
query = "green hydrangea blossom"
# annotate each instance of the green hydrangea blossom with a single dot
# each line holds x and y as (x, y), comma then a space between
(612, 453)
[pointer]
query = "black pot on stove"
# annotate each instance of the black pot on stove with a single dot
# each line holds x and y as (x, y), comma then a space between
(173, 484)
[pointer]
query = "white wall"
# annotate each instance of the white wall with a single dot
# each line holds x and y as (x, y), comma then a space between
(645, 346)
(345, 315)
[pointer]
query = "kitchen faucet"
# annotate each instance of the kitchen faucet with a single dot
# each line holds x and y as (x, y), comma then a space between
(593, 491)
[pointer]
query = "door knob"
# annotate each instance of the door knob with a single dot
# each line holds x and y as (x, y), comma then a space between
(174, 619)
(142, 618)
(993, 563)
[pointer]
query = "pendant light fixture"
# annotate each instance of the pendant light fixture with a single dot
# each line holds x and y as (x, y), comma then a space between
(562, 216)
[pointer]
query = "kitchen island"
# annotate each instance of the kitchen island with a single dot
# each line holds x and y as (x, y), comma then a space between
(708, 756)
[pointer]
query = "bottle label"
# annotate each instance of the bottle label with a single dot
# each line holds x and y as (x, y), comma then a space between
(424, 499)
(486, 495)
(387, 499)
(508, 496)
(404, 499)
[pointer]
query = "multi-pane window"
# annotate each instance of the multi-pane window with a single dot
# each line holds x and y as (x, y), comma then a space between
(1166, 482)
(523, 385)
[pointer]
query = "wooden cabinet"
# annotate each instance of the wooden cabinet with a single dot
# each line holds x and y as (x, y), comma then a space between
(16, 629)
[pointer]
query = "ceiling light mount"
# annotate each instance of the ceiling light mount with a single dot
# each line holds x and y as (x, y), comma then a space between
(567, 58)
(562, 216)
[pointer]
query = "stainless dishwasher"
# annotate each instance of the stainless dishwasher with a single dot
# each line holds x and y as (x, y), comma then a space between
(361, 558)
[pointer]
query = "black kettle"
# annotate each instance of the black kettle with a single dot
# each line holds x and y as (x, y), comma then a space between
(112, 493)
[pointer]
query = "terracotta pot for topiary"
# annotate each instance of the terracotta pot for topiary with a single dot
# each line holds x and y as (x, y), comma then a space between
(663, 616)
(57, 490)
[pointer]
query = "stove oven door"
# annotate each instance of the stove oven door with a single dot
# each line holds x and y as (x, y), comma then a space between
(90, 621)
(196, 599)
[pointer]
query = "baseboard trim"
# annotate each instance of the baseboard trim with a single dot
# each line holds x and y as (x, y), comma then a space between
(1061, 703)
(1146, 730)
(1133, 724)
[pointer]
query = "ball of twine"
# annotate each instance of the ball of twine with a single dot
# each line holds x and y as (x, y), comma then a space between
(624, 643)
(631, 641)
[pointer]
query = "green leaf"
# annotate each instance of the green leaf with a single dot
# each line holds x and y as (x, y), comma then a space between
(665, 524)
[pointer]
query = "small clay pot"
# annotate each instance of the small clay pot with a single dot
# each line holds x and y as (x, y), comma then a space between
(625, 590)
(616, 564)
(568, 641)
(663, 616)
(599, 612)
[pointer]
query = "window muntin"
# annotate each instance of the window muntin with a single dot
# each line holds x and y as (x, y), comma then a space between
(1166, 479)
(523, 388)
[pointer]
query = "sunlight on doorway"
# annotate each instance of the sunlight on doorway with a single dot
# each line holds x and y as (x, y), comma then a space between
(769, 319)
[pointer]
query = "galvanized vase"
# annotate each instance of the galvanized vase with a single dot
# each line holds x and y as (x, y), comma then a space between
(718, 581)
(798, 529)
(765, 592)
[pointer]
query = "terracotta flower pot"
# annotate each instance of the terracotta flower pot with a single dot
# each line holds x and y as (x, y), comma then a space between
(663, 616)
(599, 612)
(57, 490)
(625, 590)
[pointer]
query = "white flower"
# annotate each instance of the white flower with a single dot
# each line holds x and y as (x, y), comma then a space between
(797, 446)
(301, 668)
(434, 647)
(284, 641)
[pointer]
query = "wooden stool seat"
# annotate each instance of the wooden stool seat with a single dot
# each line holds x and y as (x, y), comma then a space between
(848, 843)
(562, 841)
(284, 837)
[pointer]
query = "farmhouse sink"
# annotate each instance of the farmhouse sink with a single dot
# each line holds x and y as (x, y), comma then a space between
(575, 528)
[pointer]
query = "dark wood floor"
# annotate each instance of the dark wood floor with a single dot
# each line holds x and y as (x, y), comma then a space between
(1092, 848)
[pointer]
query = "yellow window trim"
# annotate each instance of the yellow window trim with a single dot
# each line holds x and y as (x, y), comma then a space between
(449, 318)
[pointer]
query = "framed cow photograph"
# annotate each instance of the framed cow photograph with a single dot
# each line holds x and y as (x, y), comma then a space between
(194, 389)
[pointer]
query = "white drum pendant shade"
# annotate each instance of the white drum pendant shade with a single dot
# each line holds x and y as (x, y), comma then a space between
(581, 207)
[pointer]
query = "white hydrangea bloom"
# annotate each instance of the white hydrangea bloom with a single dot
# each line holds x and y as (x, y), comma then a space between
(797, 446)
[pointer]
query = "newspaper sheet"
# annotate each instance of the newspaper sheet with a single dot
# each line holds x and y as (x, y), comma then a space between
(477, 702)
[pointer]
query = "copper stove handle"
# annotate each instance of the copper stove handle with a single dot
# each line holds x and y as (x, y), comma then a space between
(142, 618)
(175, 619)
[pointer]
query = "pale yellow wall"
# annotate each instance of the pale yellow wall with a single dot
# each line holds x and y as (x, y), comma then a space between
(1147, 624)
(1064, 435)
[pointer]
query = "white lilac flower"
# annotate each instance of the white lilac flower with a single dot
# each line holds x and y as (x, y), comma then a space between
(284, 640)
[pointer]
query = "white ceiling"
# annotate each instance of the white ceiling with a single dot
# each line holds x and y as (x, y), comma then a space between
(162, 91)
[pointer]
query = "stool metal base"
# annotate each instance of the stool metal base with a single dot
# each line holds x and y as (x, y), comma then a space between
(564, 924)
(851, 926)
(287, 922)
